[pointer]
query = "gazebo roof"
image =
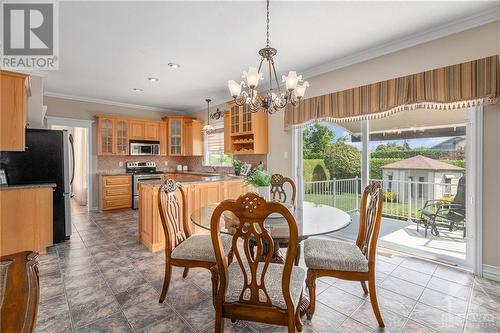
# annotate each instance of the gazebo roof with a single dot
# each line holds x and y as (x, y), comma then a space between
(420, 162)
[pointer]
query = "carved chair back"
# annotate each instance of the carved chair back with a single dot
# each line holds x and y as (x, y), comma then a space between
(278, 191)
(173, 214)
(370, 219)
(252, 211)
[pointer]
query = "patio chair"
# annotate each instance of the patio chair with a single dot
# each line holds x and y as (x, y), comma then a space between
(354, 262)
(252, 287)
(437, 211)
(181, 248)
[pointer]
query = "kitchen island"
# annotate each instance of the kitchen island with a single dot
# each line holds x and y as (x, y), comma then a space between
(200, 191)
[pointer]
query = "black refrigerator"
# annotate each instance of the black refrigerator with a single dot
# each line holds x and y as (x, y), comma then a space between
(45, 160)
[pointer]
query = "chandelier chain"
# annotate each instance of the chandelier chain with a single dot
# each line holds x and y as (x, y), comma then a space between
(267, 21)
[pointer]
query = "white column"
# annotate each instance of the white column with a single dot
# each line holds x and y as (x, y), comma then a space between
(365, 153)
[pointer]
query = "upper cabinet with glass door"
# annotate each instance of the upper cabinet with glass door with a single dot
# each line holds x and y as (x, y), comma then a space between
(105, 136)
(247, 131)
(121, 136)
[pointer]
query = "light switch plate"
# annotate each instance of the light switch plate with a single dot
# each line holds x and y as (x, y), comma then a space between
(120, 163)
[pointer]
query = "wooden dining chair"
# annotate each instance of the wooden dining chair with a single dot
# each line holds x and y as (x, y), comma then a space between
(279, 194)
(355, 262)
(278, 191)
(181, 248)
(253, 289)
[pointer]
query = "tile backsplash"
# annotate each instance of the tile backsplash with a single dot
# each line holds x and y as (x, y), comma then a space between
(111, 164)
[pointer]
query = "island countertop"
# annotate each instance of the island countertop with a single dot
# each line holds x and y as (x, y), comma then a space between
(199, 191)
(26, 186)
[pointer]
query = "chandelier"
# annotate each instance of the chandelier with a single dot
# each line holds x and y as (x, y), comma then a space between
(208, 128)
(274, 98)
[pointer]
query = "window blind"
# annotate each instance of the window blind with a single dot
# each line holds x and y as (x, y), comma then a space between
(216, 141)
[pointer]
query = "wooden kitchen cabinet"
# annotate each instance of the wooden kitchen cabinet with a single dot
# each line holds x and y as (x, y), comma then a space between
(163, 138)
(137, 129)
(112, 136)
(14, 92)
(25, 219)
(247, 132)
(185, 137)
(116, 192)
(152, 130)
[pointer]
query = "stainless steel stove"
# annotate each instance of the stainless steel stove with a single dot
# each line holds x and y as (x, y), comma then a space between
(141, 171)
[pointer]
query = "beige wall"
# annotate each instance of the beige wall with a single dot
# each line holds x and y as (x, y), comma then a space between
(461, 47)
(491, 185)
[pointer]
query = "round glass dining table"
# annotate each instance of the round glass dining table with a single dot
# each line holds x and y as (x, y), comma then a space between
(312, 220)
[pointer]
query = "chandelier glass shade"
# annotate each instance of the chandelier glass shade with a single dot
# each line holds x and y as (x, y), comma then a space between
(274, 98)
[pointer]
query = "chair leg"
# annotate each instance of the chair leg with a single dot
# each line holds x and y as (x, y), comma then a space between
(215, 283)
(166, 281)
(311, 286)
(298, 321)
(373, 299)
(363, 285)
(185, 273)
(219, 321)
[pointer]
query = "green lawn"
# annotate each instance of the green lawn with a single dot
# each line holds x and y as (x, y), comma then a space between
(347, 202)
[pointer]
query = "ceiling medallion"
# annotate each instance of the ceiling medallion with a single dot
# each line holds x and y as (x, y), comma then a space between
(273, 99)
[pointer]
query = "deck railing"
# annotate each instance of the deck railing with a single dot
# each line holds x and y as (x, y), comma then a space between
(403, 199)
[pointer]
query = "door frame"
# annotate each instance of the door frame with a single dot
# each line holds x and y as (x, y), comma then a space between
(474, 189)
(88, 124)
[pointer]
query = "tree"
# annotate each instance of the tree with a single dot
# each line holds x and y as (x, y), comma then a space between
(316, 138)
(342, 160)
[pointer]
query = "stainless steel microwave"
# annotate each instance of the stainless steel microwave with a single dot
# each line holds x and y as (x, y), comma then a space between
(144, 148)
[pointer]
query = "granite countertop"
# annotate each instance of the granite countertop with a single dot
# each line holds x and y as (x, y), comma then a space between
(27, 186)
(194, 180)
(112, 173)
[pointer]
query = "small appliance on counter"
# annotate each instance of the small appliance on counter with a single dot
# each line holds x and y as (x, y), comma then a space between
(185, 168)
(141, 171)
(45, 160)
(179, 167)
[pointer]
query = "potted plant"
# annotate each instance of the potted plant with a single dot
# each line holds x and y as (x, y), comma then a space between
(238, 165)
(261, 180)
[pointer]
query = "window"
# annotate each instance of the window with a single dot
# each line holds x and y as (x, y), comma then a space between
(214, 149)
(421, 181)
(389, 185)
(447, 182)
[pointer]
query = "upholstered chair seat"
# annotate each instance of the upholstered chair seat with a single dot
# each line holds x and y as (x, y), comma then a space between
(334, 255)
(272, 281)
(200, 248)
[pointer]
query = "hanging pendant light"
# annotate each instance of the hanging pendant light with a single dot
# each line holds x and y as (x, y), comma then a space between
(274, 99)
(208, 128)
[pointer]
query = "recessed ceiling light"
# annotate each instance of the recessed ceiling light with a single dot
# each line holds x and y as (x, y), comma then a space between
(153, 79)
(174, 65)
(138, 90)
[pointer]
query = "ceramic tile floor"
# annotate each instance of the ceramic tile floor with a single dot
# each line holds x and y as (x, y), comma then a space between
(104, 281)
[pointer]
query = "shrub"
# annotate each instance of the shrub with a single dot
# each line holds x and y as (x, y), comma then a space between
(314, 170)
(390, 196)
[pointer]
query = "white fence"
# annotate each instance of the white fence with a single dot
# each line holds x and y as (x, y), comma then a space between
(402, 199)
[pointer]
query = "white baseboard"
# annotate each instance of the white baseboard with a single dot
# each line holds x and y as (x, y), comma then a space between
(491, 272)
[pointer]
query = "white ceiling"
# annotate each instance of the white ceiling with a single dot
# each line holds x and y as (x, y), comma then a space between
(108, 48)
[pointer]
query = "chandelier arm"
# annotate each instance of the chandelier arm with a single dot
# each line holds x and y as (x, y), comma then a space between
(270, 77)
(260, 65)
(275, 75)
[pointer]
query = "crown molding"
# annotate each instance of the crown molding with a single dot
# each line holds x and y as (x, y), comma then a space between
(108, 102)
(473, 21)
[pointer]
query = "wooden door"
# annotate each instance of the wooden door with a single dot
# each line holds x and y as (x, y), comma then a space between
(12, 111)
(105, 139)
(246, 119)
(121, 136)
(235, 119)
(163, 139)
(188, 137)
(175, 137)
(152, 131)
(197, 138)
(228, 146)
(137, 130)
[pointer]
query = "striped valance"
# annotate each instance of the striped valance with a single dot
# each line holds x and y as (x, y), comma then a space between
(450, 87)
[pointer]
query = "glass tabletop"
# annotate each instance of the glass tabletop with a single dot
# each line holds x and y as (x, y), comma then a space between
(312, 220)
